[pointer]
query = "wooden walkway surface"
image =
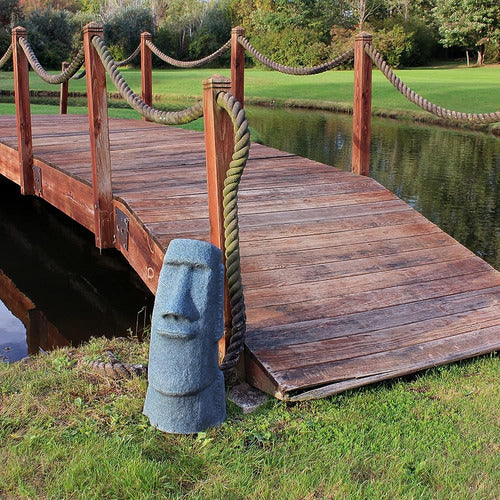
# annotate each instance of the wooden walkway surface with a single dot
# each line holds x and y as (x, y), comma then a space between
(345, 284)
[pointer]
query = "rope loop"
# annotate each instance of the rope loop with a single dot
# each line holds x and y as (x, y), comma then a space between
(40, 71)
(188, 64)
(6, 56)
(231, 231)
(426, 105)
(135, 102)
(295, 70)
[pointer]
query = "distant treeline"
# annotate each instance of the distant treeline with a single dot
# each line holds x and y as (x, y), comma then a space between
(292, 32)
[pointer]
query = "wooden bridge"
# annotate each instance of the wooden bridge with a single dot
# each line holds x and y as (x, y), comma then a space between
(344, 283)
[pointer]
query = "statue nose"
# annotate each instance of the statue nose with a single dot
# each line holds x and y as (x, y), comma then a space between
(180, 304)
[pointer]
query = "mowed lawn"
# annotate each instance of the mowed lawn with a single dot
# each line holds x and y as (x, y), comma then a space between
(68, 432)
(475, 89)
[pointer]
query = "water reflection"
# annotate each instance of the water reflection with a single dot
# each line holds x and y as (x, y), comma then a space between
(450, 176)
(55, 286)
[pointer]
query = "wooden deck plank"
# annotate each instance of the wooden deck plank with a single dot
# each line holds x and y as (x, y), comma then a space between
(282, 336)
(344, 283)
(477, 340)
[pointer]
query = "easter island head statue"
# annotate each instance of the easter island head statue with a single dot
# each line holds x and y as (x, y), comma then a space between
(186, 387)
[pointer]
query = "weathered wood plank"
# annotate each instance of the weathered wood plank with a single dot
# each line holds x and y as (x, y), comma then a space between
(397, 362)
(316, 330)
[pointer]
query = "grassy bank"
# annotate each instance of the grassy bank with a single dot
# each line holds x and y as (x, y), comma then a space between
(472, 90)
(67, 432)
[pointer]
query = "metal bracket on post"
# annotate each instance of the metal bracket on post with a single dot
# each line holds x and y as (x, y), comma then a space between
(37, 180)
(122, 228)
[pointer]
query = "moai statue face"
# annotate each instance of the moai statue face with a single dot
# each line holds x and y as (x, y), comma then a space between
(187, 318)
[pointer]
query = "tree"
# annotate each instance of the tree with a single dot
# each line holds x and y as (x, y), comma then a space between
(8, 10)
(469, 24)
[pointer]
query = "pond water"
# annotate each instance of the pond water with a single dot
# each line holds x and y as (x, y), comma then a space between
(56, 288)
(452, 177)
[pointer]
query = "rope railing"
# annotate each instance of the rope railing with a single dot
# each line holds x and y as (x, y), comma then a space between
(155, 115)
(126, 61)
(188, 64)
(231, 231)
(417, 99)
(42, 73)
(6, 56)
(295, 70)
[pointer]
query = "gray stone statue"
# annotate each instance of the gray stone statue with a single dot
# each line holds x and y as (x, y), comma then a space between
(186, 391)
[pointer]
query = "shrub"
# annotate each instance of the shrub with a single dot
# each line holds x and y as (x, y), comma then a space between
(50, 33)
(123, 29)
(292, 46)
(395, 45)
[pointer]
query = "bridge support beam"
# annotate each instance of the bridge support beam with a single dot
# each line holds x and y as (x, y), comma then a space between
(237, 64)
(23, 114)
(146, 70)
(219, 144)
(362, 110)
(99, 140)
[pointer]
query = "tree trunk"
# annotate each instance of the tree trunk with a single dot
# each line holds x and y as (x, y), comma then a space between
(480, 55)
(467, 57)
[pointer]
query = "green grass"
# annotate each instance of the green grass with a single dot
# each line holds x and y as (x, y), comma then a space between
(66, 432)
(463, 89)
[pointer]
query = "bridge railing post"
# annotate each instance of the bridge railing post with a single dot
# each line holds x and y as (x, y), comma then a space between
(146, 70)
(219, 144)
(23, 113)
(99, 139)
(237, 65)
(362, 108)
(63, 95)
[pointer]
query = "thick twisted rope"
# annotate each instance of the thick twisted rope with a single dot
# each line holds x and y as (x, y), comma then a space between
(188, 64)
(129, 59)
(430, 107)
(152, 114)
(115, 369)
(231, 231)
(40, 71)
(295, 70)
(6, 56)
(80, 75)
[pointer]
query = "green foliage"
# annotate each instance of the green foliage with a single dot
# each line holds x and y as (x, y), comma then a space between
(292, 46)
(468, 23)
(395, 45)
(50, 33)
(213, 32)
(9, 12)
(406, 43)
(123, 29)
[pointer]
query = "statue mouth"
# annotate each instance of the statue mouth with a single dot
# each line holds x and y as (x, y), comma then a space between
(177, 335)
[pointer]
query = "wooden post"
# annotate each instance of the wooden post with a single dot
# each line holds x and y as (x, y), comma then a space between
(63, 96)
(23, 114)
(146, 71)
(362, 109)
(237, 64)
(99, 139)
(219, 144)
